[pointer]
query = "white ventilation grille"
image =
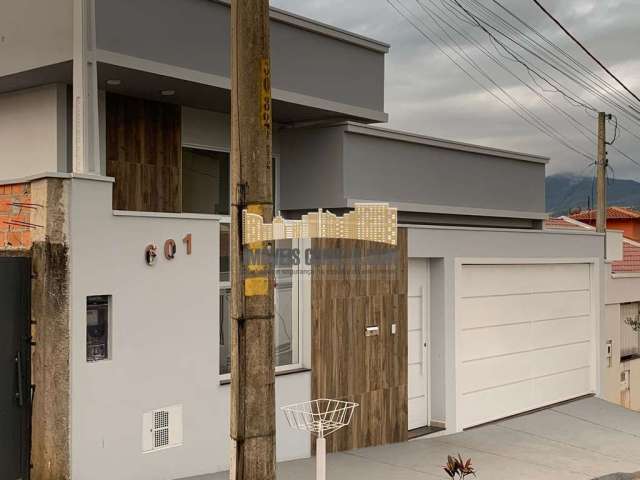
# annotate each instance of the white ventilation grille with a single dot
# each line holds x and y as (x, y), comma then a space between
(162, 429)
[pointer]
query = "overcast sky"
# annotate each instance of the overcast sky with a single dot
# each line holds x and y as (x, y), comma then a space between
(426, 93)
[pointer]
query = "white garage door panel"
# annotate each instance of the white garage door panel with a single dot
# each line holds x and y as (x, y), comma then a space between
(498, 371)
(560, 359)
(556, 388)
(484, 280)
(499, 310)
(524, 337)
(488, 405)
(488, 342)
(560, 332)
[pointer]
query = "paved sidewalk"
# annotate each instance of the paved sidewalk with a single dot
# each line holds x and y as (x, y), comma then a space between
(585, 439)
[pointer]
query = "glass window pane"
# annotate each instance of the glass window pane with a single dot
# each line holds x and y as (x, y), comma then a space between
(225, 246)
(286, 312)
(205, 181)
(225, 331)
(286, 318)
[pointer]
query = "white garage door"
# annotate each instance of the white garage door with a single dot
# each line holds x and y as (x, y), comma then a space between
(524, 338)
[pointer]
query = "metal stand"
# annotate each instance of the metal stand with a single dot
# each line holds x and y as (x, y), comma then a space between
(321, 458)
(320, 417)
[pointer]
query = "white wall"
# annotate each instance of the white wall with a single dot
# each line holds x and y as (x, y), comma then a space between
(34, 33)
(611, 377)
(165, 333)
(33, 136)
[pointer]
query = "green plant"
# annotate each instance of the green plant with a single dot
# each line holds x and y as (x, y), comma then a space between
(457, 466)
(633, 322)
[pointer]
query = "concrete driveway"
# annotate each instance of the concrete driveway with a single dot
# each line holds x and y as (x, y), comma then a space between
(585, 439)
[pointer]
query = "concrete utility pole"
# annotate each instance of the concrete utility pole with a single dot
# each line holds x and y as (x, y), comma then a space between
(252, 346)
(601, 175)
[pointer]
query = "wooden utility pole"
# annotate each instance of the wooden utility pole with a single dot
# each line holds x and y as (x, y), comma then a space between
(252, 426)
(601, 175)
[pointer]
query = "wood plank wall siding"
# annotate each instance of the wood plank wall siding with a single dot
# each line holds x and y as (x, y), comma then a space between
(346, 364)
(144, 154)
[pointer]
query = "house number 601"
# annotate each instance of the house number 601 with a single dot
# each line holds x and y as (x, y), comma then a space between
(169, 250)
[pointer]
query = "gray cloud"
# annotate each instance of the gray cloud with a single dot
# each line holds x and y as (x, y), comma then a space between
(426, 93)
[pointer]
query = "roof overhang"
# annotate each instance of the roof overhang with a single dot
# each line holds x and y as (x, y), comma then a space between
(146, 79)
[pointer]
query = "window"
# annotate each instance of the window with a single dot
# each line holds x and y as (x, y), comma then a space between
(205, 181)
(98, 331)
(629, 338)
(286, 319)
(206, 189)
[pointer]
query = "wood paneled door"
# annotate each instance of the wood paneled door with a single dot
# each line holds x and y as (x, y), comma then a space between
(144, 150)
(347, 297)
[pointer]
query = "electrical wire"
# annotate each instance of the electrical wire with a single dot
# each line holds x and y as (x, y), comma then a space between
(486, 25)
(534, 120)
(579, 65)
(557, 22)
(622, 153)
(580, 127)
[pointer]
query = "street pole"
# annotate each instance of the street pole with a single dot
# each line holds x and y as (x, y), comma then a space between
(252, 426)
(601, 175)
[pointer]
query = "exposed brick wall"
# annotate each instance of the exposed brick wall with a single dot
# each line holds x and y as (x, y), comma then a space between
(15, 216)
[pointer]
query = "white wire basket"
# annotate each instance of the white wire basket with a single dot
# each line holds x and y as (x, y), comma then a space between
(321, 417)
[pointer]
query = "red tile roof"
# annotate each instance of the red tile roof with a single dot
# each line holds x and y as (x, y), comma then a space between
(562, 224)
(612, 213)
(630, 262)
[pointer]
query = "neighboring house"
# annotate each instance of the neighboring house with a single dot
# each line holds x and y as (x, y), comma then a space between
(114, 137)
(618, 218)
(623, 307)
(621, 383)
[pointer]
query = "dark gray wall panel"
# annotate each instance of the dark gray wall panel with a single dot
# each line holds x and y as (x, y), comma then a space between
(311, 168)
(396, 171)
(194, 34)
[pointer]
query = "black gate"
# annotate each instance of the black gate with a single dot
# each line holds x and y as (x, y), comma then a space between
(15, 382)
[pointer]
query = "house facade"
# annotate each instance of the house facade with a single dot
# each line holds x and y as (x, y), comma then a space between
(624, 219)
(114, 211)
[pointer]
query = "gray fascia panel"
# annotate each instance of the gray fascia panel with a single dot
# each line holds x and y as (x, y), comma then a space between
(397, 135)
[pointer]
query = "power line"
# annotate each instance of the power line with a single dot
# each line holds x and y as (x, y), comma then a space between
(572, 97)
(535, 121)
(583, 82)
(473, 41)
(585, 49)
(579, 65)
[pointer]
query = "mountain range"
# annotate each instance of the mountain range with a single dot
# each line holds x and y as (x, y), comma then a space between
(567, 191)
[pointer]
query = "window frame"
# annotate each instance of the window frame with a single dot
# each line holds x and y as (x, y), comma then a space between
(627, 332)
(297, 300)
(300, 327)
